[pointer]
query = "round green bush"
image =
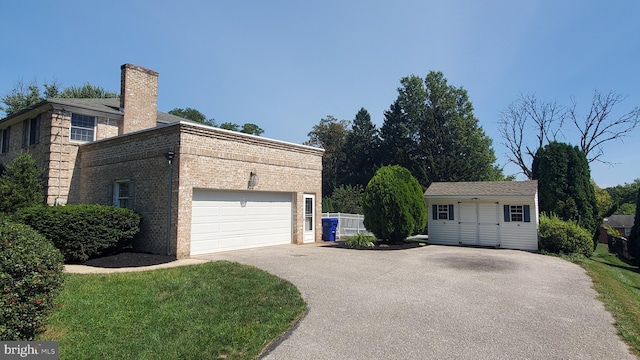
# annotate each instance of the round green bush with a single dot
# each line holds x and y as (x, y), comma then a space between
(393, 204)
(31, 277)
(564, 237)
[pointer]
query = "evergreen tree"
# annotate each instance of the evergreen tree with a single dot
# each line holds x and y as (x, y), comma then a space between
(361, 150)
(393, 204)
(396, 143)
(564, 184)
(21, 184)
(445, 142)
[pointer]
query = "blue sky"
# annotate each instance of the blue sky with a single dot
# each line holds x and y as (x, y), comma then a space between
(284, 65)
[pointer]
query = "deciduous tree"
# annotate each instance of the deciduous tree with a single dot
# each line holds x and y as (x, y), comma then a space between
(330, 134)
(23, 96)
(528, 115)
(193, 115)
(445, 141)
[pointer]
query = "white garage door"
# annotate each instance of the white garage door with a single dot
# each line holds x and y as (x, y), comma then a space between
(229, 220)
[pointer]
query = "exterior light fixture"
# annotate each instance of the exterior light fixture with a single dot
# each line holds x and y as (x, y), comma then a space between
(253, 180)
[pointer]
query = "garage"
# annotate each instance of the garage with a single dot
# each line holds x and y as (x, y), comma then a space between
(231, 220)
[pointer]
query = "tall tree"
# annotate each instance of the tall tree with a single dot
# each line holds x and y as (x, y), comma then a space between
(23, 96)
(446, 142)
(397, 146)
(564, 183)
(253, 129)
(361, 150)
(330, 134)
(193, 115)
(528, 115)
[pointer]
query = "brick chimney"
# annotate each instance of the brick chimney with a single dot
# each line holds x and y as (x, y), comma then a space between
(138, 97)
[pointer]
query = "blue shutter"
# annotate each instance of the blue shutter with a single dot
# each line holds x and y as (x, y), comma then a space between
(450, 211)
(434, 212)
(507, 214)
(527, 213)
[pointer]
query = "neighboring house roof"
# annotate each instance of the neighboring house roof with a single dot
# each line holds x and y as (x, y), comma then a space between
(620, 221)
(483, 188)
(108, 105)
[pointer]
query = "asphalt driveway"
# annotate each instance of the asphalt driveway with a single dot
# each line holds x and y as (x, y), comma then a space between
(437, 302)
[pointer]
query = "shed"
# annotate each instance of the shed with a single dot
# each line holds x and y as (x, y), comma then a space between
(484, 213)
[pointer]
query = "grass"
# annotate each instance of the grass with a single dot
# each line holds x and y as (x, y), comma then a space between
(216, 310)
(618, 284)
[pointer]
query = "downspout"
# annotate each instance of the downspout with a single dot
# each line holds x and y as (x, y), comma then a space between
(169, 156)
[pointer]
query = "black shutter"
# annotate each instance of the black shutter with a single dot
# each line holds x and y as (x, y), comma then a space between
(527, 213)
(507, 214)
(450, 211)
(434, 212)
(110, 199)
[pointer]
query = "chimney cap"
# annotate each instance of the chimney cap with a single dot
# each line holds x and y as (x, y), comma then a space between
(138, 68)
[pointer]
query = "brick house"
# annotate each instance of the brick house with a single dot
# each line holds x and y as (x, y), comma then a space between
(621, 223)
(199, 189)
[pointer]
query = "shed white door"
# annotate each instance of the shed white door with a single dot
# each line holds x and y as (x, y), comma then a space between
(229, 220)
(478, 224)
(468, 224)
(488, 222)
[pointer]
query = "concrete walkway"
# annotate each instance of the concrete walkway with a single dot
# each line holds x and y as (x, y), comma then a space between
(84, 269)
(437, 302)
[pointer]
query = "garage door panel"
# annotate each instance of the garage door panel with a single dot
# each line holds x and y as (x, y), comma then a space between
(228, 220)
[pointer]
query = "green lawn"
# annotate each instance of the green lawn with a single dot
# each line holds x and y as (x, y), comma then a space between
(619, 287)
(216, 310)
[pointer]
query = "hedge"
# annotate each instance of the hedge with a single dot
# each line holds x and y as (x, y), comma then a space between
(83, 232)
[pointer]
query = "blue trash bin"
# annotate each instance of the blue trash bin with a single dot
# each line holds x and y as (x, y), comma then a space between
(329, 228)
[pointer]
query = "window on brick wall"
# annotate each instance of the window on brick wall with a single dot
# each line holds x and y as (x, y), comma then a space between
(31, 131)
(83, 127)
(4, 140)
(123, 191)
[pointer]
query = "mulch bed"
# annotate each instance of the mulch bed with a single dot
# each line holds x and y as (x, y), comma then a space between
(129, 259)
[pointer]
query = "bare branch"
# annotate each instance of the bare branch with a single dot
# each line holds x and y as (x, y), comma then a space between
(598, 127)
(527, 114)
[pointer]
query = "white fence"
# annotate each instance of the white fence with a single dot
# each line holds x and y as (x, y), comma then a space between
(348, 224)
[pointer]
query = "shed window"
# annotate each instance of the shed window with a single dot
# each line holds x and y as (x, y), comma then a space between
(442, 212)
(517, 213)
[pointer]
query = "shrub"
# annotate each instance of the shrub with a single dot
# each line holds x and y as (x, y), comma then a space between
(558, 236)
(31, 277)
(361, 241)
(393, 204)
(82, 232)
(20, 184)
